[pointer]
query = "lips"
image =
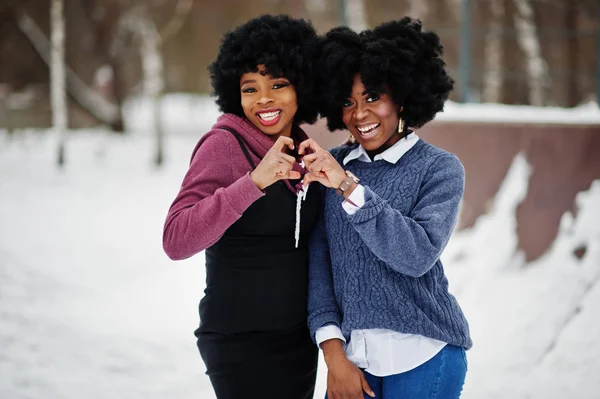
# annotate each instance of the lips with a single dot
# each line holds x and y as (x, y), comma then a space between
(368, 130)
(269, 117)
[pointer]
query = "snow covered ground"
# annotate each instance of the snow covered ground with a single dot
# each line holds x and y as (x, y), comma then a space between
(91, 307)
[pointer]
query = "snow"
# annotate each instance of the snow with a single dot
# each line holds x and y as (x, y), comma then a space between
(91, 307)
(523, 317)
(587, 114)
(188, 114)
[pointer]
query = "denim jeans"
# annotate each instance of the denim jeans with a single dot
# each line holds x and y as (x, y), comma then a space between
(442, 377)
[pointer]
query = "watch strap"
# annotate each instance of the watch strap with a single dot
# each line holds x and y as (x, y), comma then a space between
(347, 183)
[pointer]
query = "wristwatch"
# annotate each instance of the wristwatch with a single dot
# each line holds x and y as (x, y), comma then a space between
(347, 183)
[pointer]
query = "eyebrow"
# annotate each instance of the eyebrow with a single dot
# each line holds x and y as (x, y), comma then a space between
(247, 81)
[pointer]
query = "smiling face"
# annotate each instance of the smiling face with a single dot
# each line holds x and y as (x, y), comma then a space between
(371, 117)
(269, 103)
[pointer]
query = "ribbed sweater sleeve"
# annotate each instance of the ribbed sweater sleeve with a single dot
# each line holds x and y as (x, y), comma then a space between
(322, 306)
(210, 200)
(411, 244)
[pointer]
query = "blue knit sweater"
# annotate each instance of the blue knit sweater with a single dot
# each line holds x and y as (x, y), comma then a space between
(380, 267)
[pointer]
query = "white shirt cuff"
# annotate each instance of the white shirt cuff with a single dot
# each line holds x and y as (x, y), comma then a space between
(328, 332)
(358, 197)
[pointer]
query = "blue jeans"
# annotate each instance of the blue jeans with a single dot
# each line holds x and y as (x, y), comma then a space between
(442, 377)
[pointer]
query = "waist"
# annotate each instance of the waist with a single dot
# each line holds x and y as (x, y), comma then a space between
(385, 352)
(254, 287)
(247, 247)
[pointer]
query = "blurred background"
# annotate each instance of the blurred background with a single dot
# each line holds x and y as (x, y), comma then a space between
(102, 102)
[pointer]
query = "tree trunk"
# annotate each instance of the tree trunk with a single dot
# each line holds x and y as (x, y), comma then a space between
(57, 76)
(493, 54)
(572, 55)
(355, 14)
(527, 37)
(418, 9)
(91, 101)
(152, 68)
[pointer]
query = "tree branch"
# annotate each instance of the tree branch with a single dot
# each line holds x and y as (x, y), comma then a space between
(91, 101)
(182, 10)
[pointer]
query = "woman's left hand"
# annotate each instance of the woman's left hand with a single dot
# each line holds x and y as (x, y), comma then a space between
(321, 165)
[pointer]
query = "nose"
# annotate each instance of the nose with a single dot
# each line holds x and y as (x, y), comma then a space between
(265, 98)
(360, 112)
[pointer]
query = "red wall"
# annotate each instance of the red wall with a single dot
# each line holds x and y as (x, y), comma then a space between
(564, 159)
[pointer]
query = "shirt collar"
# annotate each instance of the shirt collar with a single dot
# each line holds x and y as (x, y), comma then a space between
(391, 155)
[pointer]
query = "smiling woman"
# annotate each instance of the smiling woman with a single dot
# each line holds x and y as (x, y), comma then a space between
(269, 103)
(379, 304)
(239, 201)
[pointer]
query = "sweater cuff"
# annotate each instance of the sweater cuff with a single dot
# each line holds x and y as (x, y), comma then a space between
(373, 205)
(242, 193)
(324, 318)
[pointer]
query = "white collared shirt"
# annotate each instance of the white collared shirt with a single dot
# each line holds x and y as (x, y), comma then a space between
(381, 352)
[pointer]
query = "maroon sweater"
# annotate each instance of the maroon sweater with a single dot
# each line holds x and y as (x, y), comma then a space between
(217, 188)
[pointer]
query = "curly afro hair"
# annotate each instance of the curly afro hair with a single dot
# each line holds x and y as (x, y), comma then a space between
(286, 46)
(395, 57)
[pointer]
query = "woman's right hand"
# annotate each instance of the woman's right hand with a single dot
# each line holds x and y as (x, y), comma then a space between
(344, 379)
(275, 165)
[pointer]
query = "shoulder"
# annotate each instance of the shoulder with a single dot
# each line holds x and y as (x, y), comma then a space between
(436, 158)
(340, 152)
(213, 144)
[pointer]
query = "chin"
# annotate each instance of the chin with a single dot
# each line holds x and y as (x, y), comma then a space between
(370, 146)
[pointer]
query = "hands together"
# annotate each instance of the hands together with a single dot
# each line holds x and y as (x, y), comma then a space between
(321, 165)
(277, 165)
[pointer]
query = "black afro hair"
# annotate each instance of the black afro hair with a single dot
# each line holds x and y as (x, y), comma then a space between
(286, 46)
(395, 57)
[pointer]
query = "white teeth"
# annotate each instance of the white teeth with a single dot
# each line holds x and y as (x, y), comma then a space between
(364, 129)
(269, 116)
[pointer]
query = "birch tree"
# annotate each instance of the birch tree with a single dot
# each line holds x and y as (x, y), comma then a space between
(91, 101)
(529, 42)
(493, 56)
(152, 70)
(418, 9)
(355, 15)
(57, 76)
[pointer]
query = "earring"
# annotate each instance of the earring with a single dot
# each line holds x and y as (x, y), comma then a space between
(401, 126)
(351, 139)
(400, 121)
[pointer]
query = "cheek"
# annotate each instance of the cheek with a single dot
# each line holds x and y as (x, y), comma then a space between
(384, 111)
(246, 105)
(290, 99)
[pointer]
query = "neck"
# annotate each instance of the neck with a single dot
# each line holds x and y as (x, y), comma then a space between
(391, 141)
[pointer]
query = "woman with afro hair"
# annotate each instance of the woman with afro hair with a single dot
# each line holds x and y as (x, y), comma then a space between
(242, 202)
(379, 305)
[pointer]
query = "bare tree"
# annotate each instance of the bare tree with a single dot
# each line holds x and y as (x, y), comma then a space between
(153, 71)
(355, 14)
(57, 76)
(527, 37)
(493, 54)
(182, 10)
(315, 6)
(418, 9)
(90, 100)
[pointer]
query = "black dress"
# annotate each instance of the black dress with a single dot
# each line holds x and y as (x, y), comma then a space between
(253, 335)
